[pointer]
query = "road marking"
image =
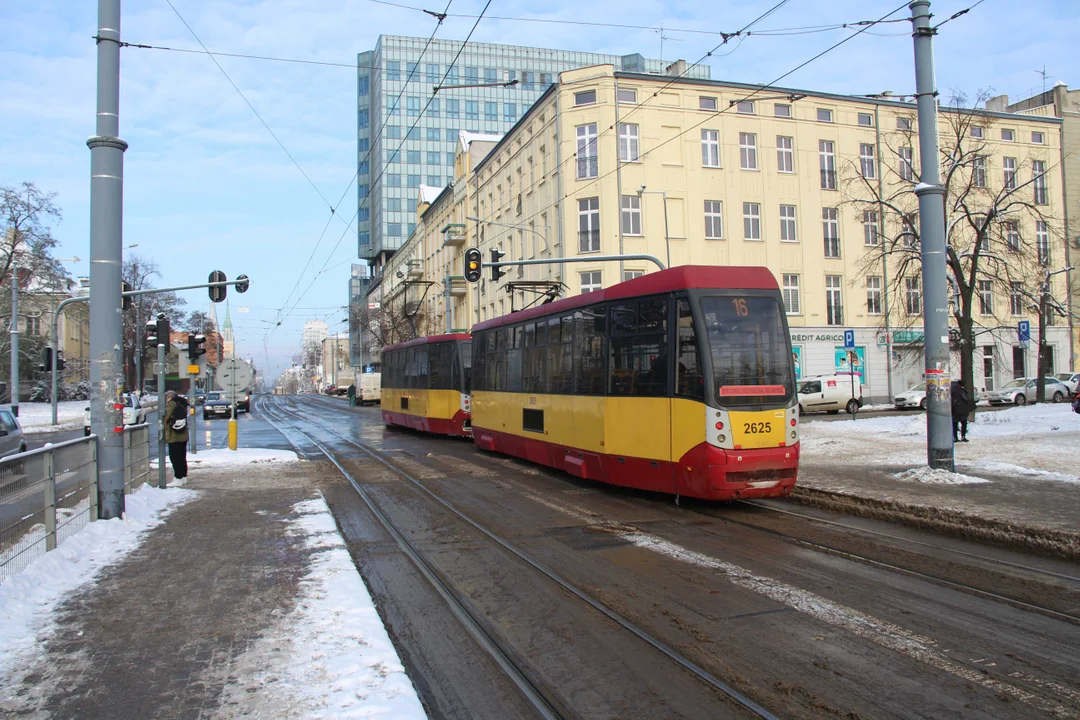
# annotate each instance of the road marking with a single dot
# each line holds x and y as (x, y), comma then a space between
(581, 515)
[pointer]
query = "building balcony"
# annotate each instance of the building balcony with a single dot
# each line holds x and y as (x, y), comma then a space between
(454, 235)
(415, 269)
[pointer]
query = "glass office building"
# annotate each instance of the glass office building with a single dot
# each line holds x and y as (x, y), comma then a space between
(394, 93)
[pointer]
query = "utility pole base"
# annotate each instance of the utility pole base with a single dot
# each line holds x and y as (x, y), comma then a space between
(233, 440)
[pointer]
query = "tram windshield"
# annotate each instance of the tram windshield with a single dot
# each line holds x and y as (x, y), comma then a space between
(749, 351)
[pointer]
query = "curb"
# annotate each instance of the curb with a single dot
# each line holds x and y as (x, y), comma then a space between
(1031, 538)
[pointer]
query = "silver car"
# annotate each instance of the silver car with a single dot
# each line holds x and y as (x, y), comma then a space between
(913, 398)
(1023, 390)
(1071, 380)
(11, 434)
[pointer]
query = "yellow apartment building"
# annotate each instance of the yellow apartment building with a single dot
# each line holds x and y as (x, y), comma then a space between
(816, 187)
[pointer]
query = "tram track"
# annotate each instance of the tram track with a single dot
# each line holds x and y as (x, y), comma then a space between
(544, 700)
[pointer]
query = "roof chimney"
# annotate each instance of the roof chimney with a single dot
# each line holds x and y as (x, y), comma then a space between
(676, 68)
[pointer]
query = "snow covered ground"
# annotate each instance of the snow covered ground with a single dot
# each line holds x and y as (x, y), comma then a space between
(331, 656)
(1040, 442)
(36, 417)
(28, 599)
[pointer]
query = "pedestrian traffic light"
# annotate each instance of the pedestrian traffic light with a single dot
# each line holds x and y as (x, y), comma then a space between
(157, 332)
(125, 301)
(195, 347)
(217, 294)
(496, 272)
(59, 360)
(474, 262)
(46, 359)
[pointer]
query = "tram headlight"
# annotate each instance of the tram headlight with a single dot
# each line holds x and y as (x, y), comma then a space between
(794, 434)
(721, 438)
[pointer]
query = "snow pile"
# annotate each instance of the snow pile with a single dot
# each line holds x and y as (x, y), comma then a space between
(331, 656)
(1004, 468)
(933, 476)
(29, 599)
(1028, 420)
(223, 457)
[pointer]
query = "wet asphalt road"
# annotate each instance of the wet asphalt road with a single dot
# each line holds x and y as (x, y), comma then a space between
(822, 630)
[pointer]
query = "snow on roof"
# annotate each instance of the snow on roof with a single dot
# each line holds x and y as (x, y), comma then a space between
(466, 138)
(428, 193)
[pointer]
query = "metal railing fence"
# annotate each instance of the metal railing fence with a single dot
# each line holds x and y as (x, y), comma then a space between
(46, 496)
(136, 456)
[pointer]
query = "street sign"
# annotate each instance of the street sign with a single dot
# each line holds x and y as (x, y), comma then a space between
(234, 374)
(1023, 330)
(849, 339)
(193, 369)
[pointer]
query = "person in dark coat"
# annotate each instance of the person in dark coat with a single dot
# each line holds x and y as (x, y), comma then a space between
(961, 408)
(351, 393)
(176, 433)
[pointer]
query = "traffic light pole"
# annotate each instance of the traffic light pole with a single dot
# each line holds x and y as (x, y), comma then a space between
(15, 340)
(161, 348)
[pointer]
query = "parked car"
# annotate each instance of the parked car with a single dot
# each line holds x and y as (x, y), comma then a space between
(1071, 380)
(830, 393)
(135, 411)
(370, 389)
(912, 398)
(216, 405)
(11, 434)
(1024, 390)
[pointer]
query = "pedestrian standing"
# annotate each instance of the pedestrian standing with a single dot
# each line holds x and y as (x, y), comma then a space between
(352, 394)
(961, 408)
(176, 432)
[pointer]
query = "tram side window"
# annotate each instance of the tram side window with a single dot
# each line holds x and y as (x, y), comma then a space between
(514, 345)
(410, 368)
(560, 355)
(421, 368)
(489, 360)
(440, 359)
(499, 376)
(638, 355)
(532, 375)
(589, 325)
(688, 381)
(479, 361)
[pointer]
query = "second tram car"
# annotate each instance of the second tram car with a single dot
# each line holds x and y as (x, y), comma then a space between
(425, 384)
(680, 381)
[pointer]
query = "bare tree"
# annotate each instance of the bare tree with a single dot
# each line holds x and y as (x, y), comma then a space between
(396, 320)
(139, 272)
(999, 233)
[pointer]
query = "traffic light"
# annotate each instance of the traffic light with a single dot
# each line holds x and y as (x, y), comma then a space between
(157, 332)
(194, 347)
(496, 272)
(217, 294)
(125, 301)
(59, 360)
(242, 283)
(46, 359)
(474, 262)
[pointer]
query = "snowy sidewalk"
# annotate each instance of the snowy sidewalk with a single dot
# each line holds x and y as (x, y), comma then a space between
(243, 602)
(1020, 466)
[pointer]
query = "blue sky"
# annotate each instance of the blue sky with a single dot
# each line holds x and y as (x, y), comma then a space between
(207, 187)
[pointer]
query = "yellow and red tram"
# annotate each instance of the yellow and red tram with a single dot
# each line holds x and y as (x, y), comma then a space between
(425, 384)
(680, 381)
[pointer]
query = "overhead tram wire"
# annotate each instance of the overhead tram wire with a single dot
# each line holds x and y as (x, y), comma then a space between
(709, 117)
(367, 158)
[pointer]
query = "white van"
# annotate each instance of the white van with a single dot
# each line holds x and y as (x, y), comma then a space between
(830, 393)
(370, 389)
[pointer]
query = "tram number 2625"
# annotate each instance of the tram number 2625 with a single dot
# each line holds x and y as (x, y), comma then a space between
(755, 428)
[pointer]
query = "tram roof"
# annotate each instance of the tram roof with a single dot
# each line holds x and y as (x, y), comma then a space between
(684, 277)
(429, 339)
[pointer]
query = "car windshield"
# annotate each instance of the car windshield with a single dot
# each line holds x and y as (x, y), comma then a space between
(749, 350)
(213, 396)
(1064, 376)
(1016, 384)
(921, 387)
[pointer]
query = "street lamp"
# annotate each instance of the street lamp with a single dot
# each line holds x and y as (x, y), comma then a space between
(667, 238)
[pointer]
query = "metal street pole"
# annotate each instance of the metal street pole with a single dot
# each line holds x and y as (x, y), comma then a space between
(161, 349)
(939, 442)
(138, 349)
(15, 340)
(106, 252)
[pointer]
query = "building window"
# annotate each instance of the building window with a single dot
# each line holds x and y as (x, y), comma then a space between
(412, 106)
(472, 110)
(393, 70)
(511, 78)
(827, 159)
(986, 298)
(824, 115)
(1012, 235)
(710, 148)
(393, 132)
(745, 107)
(472, 75)
(362, 119)
(393, 180)
(433, 73)
(434, 157)
(904, 123)
(831, 226)
(452, 134)
(866, 119)
(748, 151)
(873, 295)
(907, 170)
(450, 159)
(834, 302)
(1042, 242)
(978, 171)
(1016, 298)
(1008, 165)
(363, 214)
(452, 75)
(412, 157)
(628, 143)
(792, 301)
(631, 214)
(1038, 174)
(435, 180)
(909, 230)
(787, 224)
(706, 103)
(453, 109)
(587, 164)
(631, 274)
(626, 95)
(912, 296)
(413, 181)
(866, 161)
(491, 75)
(714, 220)
(510, 112)
(782, 110)
(870, 228)
(976, 132)
(590, 282)
(491, 111)
(393, 229)
(363, 144)
(751, 221)
(585, 98)
(589, 225)
(1007, 135)
(363, 169)
(1038, 138)
(434, 134)
(785, 154)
